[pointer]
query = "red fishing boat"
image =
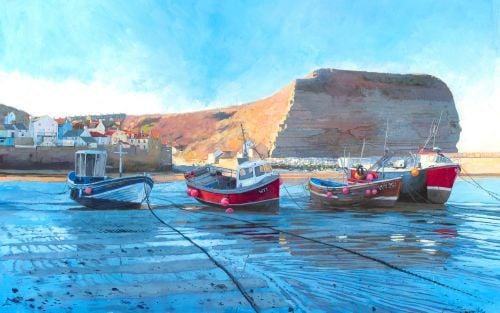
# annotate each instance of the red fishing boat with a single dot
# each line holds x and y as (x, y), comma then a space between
(383, 193)
(253, 185)
(428, 176)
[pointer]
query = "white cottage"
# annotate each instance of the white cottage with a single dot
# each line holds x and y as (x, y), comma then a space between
(99, 128)
(9, 118)
(44, 129)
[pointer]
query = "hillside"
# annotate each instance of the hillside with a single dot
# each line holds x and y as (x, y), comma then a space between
(21, 116)
(205, 131)
(319, 116)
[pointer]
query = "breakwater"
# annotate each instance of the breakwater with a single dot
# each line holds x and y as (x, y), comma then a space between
(40, 158)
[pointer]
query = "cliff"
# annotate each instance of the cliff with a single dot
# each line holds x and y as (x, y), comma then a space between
(334, 109)
(319, 116)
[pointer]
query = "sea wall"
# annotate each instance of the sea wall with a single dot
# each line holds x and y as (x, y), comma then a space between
(478, 163)
(333, 110)
(64, 157)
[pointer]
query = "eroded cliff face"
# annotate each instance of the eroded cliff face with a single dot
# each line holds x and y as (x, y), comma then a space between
(319, 116)
(335, 109)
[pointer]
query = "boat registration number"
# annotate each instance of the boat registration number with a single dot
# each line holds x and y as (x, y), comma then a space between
(263, 190)
(389, 185)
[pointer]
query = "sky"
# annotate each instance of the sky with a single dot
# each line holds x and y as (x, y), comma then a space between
(138, 57)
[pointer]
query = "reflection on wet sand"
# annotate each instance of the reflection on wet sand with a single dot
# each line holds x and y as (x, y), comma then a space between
(78, 260)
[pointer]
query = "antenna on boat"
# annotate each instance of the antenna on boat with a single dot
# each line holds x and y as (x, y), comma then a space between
(120, 152)
(362, 149)
(436, 130)
(246, 145)
(432, 133)
(386, 134)
(245, 151)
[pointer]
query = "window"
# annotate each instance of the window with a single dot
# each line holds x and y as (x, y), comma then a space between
(268, 168)
(260, 170)
(89, 166)
(246, 173)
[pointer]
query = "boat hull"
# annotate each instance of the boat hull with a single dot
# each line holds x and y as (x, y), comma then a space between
(430, 185)
(440, 180)
(264, 195)
(381, 193)
(116, 193)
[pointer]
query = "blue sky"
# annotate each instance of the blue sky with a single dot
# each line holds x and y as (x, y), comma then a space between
(71, 57)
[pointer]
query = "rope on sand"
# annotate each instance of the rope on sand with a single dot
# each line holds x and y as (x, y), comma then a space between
(374, 259)
(218, 264)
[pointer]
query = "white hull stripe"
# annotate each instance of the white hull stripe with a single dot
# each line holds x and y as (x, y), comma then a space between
(438, 188)
(368, 199)
(240, 204)
(132, 193)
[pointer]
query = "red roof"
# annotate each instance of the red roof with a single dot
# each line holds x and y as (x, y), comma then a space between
(155, 134)
(60, 120)
(97, 134)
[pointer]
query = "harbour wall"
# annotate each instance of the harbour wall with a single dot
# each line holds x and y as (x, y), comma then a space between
(478, 163)
(63, 158)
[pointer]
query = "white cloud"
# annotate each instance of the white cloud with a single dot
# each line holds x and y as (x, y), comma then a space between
(71, 97)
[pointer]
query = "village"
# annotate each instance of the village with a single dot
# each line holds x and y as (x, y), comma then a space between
(88, 131)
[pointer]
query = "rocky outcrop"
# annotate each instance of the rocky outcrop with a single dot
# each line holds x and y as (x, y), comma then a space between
(320, 116)
(335, 109)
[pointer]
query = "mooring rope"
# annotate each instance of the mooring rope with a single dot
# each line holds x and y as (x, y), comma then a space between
(217, 263)
(473, 182)
(290, 196)
(65, 190)
(374, 259)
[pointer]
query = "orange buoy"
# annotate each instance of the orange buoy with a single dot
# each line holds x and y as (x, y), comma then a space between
(414, 172)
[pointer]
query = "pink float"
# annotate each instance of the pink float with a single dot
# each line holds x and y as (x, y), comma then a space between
(224, 201)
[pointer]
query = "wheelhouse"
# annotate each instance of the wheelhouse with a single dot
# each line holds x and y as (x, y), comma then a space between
(90, 163)
(250, 173)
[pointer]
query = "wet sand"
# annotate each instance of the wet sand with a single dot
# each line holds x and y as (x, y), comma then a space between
(58, 257)
(60, 176)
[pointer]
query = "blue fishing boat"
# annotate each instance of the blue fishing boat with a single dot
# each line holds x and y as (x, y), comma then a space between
(90, 187)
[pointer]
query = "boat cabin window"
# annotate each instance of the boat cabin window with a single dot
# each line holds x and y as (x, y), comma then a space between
(246, 173)
(268, 168)
(88, 165)
(442, 159)
(260, 170)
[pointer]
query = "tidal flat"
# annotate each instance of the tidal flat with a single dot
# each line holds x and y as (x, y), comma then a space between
(58, 257)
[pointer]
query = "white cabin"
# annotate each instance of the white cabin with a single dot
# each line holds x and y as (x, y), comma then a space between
(252, 172)
(90, 163)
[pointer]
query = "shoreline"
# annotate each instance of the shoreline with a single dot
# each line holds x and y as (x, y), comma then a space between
(161, 177)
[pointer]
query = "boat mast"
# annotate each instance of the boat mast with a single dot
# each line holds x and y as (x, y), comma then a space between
(120, 152)
(436, 130)
(245, 151)
(386, 134)
(362, 149)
